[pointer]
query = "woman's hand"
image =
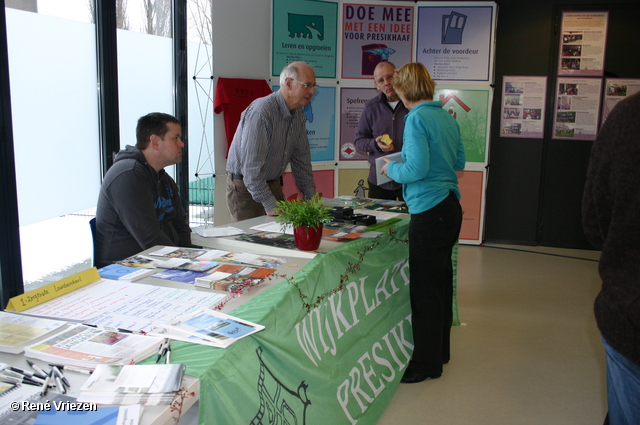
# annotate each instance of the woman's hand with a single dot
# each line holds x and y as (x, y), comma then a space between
(383, 170)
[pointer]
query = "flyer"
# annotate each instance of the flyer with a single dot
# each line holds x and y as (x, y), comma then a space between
(616, 89)
(577, 107)
(582, 43)
(523, 107)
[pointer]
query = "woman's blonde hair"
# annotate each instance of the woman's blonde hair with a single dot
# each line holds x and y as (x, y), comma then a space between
(414, 82)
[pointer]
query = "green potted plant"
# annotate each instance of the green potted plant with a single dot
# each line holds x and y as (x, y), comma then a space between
(306, 216)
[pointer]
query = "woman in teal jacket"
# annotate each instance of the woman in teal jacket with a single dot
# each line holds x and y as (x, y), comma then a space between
(431, 155)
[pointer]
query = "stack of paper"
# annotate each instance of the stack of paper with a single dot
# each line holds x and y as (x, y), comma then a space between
(133, 384)
(86, 346)
(18, 331)
(218, 329)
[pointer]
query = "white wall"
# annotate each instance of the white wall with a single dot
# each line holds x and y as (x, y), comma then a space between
(242, 46)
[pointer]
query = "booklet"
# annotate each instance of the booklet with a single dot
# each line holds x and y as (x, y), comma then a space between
(382, 178)
(214, 326)
(86, 346)
(120, 272)
(185, 276)
(137, 261)
(179, 252)
(279, 240)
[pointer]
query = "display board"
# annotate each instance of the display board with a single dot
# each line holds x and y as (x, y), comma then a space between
(454, 40)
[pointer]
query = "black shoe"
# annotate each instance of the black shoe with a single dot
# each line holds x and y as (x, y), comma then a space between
(413, 375)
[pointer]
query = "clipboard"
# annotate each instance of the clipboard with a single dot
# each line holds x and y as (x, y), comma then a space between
(381, 178)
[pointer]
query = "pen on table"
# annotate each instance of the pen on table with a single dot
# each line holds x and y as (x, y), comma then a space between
(59, 383)
(162, 350)
(39, 372)
(16, 380)
(45, 386)
(72, 368)
(8, 372)
(26, 373)
(167, 358)
(58, 372)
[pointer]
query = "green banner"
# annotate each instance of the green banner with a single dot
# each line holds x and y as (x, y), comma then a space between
(336, 341)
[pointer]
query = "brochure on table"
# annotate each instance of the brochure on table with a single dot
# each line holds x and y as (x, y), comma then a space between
(214, 326)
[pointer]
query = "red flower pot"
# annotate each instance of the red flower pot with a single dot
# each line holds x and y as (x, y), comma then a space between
(307, 238)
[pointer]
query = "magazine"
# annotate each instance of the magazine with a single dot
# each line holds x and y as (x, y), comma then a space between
(234, 277)
(185, 276)
(86, 346)
(279, 240)
(179, 252)
(18, 331)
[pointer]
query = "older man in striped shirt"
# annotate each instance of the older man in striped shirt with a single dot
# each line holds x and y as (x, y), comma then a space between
(271, 135)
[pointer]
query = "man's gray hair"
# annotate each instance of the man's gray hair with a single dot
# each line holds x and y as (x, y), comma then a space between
(289, 71)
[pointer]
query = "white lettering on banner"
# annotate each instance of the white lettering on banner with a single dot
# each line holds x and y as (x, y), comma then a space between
(363, 386)
(330, 321)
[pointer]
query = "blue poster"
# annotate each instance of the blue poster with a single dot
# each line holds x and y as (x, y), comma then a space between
(455, 43)
(321, 123)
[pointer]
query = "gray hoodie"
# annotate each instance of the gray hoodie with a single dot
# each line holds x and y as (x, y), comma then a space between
(138, 208)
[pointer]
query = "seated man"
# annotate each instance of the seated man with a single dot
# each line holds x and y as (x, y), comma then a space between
(139, 204)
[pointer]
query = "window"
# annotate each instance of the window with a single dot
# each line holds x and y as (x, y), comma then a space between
(200, 68)
(55, 128)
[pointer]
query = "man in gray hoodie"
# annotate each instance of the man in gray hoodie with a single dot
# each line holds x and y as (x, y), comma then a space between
(139, 204)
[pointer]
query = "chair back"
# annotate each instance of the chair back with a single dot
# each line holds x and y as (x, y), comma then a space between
(92, 225)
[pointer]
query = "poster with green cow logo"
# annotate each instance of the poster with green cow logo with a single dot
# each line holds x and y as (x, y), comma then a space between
(305, 31)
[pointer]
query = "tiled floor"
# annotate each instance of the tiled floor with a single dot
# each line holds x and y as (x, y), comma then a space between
(528, 350)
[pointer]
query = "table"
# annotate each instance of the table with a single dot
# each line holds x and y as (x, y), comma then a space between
(337, 338)
(230, 243)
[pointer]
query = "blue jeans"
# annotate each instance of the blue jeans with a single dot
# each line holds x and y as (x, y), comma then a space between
(623, 388)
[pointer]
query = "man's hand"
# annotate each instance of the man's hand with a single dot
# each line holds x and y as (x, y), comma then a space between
(273, 212)
(383, 146)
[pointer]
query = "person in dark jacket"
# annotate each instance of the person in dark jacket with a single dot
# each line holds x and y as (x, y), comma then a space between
(139, 204)
(384, 114)
(610, 207)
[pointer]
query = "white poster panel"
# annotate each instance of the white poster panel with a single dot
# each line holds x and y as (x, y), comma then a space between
(455, 42)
